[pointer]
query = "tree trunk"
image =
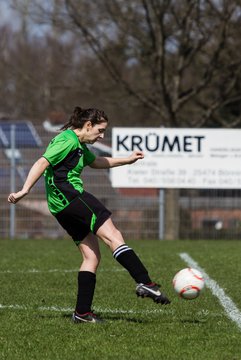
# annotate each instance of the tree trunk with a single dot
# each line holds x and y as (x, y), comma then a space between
(172, 218)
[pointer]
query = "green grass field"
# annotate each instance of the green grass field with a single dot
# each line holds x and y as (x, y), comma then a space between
(38, 292)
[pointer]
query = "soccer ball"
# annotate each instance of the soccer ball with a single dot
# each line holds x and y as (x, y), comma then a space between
(188, 283)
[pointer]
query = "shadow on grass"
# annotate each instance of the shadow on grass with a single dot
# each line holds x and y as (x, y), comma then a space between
(193, 321)
(121, 318)
(107, 317)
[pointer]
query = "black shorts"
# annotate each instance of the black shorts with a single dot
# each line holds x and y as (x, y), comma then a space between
(83, 215)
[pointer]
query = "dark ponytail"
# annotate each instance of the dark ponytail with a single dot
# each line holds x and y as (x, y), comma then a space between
(81, 116)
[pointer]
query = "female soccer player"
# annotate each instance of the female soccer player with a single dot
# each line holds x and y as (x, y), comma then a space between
(83, 216)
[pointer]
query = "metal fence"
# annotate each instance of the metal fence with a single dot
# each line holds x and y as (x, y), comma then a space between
(209, 214)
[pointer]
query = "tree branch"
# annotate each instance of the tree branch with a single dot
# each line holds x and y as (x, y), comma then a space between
(105, 60)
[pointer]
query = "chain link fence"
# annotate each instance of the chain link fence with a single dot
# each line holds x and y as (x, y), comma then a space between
(204, 214)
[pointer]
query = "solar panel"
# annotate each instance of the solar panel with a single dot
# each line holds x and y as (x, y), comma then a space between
(25, 135)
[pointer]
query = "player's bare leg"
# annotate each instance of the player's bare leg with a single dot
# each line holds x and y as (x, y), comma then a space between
(90, 251)
(111, 236)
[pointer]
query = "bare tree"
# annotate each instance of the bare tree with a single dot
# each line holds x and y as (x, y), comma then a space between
(173, 57)
(184, 52)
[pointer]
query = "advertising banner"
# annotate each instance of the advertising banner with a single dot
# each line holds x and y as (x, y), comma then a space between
(178, 158)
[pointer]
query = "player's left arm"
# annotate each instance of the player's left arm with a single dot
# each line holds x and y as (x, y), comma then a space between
(102, 162)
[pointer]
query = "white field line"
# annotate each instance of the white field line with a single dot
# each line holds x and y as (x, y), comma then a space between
(36, 271)
(232, 311)
(97, 309)
(166, 311)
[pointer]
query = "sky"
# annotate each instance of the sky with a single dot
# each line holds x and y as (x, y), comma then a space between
(8, 15)
(11, 17)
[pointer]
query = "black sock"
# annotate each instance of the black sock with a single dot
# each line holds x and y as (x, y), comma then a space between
(86, 288)
(131, 262)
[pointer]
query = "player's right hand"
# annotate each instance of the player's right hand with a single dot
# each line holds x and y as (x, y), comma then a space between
(13, 198)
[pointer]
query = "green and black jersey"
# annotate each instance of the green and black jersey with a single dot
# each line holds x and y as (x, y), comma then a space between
(67, 158)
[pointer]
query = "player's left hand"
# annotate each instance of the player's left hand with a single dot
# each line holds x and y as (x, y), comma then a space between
(136, 155)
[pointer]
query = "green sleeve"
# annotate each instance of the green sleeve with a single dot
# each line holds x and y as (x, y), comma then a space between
(58, 149)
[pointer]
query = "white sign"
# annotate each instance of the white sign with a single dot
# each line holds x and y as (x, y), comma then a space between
(178, 158)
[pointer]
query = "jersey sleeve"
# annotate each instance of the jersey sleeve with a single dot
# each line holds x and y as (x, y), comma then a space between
(89, 157)
(58, 149)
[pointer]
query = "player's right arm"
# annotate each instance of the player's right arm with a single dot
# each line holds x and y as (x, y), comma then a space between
(34, 174)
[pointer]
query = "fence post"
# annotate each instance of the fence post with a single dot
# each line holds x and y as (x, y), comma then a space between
(161, 214)
(12, 178)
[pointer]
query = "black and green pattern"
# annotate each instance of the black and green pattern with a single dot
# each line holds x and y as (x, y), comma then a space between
(67, 158)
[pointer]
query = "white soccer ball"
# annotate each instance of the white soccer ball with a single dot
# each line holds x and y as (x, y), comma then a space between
(188, 283)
